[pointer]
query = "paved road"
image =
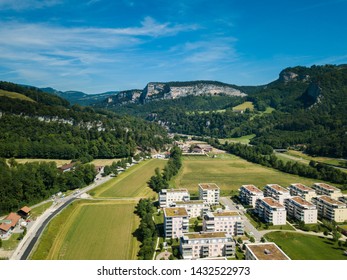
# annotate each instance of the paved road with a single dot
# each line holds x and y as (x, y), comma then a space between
(26, 245)
(248, 226)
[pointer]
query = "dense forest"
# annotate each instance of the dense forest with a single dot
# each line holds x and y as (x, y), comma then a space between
(30, 183)
(49, 127)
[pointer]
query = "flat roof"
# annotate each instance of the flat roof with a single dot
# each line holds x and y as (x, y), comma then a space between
(175, 212)
(209, 186)
(198, 235)
(301, 201)
(267, 251)
(226, 213)
(327, 187)
(330, 200)
(277, 187)
(272, 202)
(252, 188)
(190, 202)
(302, 187)
(174, 190)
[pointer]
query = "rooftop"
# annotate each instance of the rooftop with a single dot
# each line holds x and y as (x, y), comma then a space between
(198, 235)
(67, 166)
(190, 202)
(25, 209)
(14, 218)
(277, 188)
(327, 187)
(174, 190)
(252, 188)
(175, 212)
(208, 186)
(272, 202)
(330, 200)
(267, 251)
(226, 213)
(302, 187)
(301, 201)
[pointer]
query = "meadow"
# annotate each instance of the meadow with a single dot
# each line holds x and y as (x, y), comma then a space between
(15, 95)
(306, 247)
(230, 172)
(91, 230)
(132, 182)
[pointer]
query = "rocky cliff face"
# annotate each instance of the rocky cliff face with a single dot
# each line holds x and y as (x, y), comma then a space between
(161, 91)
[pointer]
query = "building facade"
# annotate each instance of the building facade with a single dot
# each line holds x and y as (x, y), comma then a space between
(301, 210)
(206, 244)
(271, 211)
(325, 189)
(303, 191)
(209, 192)
(277, 192)
(228, 221)
(249, 194)
(195, 208)
(330, 209)
(176, 222)
(168, 196)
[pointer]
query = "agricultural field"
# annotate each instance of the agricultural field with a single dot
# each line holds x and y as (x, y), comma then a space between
(307, 247)
(15, 95)
(132, 182)
(229, 172)
(243, 140)
(106, 226)
(103, 162)
(38, 210)
(59, 162)
(244, 106)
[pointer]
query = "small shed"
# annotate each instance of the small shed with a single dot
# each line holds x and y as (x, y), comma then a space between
(24, 212)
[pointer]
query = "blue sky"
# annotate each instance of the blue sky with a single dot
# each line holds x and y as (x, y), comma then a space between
(101, 45)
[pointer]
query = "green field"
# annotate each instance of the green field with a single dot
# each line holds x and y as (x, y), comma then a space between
(132, 182)
(306, 247)
(326, 160)
(229, 172)
(244, 106)
(37, 211)
(89, 230)
(59, 162)
(15, 95)
(243, 140)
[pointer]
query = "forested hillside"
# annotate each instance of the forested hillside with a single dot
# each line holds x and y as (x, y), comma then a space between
(50, 128)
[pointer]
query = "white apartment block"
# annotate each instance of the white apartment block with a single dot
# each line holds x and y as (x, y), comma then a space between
(176, 222)
(301, 210)
(227, 221)
(195, 208)
(302, 191)
(277, 192)
(264, 251)
(206, 245)
(249, 194)
(271, 211)
(209, 192)
(330, 209)
(168, 196)
(325, 189)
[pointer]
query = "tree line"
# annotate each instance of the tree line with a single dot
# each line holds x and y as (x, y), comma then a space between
(30, 183)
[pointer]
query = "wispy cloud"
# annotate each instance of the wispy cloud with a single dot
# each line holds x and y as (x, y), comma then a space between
(28, 4)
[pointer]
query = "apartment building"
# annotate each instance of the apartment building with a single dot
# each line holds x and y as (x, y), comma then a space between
(271, 211)
(264, 251)
(301, 210)
(168, 196)
(195, 208)
(249, 194)
(303, 191)
(325, 189)
(226, 221)
(330, 209)
(277, 192)
(209, 192)
(176, 222)
(206, 245)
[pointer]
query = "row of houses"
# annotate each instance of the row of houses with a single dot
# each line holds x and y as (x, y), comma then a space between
(8, 224)
(218, 229)
(299, 202)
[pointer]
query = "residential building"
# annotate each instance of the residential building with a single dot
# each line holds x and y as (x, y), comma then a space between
(176, 222)
(24, 212)
(302, 191)
(264, 251)
(325, 189)
(168, 196)
(209, 192)
(277, 192)
(249, 194)
(9, 223)
(301, 210)
(67, 167)
(271, 211)
(343, 199)
(206, 245)
(223, 221)
(330, 209)
(195, 208)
